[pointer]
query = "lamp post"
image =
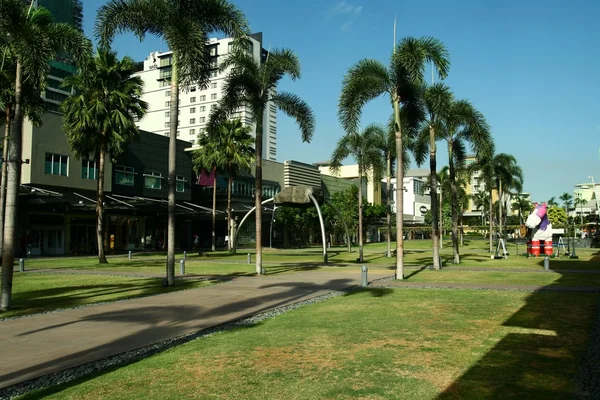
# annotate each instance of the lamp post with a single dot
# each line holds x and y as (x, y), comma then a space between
(595, 195)
(271, 228)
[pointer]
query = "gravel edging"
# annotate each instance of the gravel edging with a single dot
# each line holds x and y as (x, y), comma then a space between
(71, 374)
(219, 282)
(587, 380)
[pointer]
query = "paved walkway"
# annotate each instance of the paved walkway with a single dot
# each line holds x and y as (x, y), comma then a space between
(38, 345)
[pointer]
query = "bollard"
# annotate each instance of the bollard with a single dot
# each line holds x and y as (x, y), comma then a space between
(328, 245)
(249, 258)
(325, 258)
(129, 254)
(440, 260)
(182, 267)
(184, 255)
(364, 281)
(21, 265)
(263, 271)
(546, 263)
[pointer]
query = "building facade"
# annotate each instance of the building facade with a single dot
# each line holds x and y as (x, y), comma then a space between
(196, 102)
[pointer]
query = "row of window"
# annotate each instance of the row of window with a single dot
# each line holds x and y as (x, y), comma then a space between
(244, 188)
(213, 85)
(57, 164)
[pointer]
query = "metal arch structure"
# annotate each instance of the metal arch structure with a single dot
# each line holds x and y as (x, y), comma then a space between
(316, 203)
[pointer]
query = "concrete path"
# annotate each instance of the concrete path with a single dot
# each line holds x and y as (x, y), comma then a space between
(34, 346)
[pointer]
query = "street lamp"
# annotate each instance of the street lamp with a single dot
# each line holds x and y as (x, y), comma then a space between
(595, 196)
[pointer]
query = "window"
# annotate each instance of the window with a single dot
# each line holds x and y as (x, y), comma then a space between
(180, 184)
(192, 132)
(213, 85)
(153, 180)
(167, 114)
(213, 73)
(165, 61)
(124, 175)
(213, 51)
(419, 187)
(167, 124)
(213, 63)
(165, 82)
(177, 134)
(192, 88)
(168, 93)
(192, 99)
(202, 108)
(213, 96)
(167, 104)
(193, 142)
(192, 121)
(202, 119)
(89, 169)
(165, 73)
(56, 164)
(193, 110)
(203, 98)
(213, 106)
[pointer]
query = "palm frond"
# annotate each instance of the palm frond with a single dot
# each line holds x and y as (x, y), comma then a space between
(365, 80)
(297, 108)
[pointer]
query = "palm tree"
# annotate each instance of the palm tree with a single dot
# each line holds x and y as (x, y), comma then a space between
(33, 39)
(387, 141)
(482, 202)
(33, 108)
(461, 179)
(579, 202)
(365, 149)
(463, 126)
(523, 207)
(253, 84)
(567, 200)
(99, 120)
(437, 101)
(552, 201)
(500, 171)
(402, 81)
(184, 26)
(224, 148)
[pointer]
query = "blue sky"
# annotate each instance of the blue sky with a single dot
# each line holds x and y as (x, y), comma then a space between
(529, 66)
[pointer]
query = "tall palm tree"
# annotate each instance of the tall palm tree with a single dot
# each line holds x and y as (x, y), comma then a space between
(33, 39)
(184, 25)
(253, 84)
(387, 141)
(234, 144)
(463, 126)
(99, 119)
(461, 180)
(226, 148)
(402, 82)
(33, 108)
(552, 201)
(437, 101)
(522, 205)
(567, 200)
(365, 149)
(482, 202)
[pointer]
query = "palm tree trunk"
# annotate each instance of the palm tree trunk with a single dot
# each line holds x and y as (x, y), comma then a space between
(13, 181)
(435, 225)
(229, 185)
(454, 205)
(258, 187)
(172, 185)
(214, 211)
(389, 202)
(500, 208)
(360, 215)
(399, 194)
(100, 203)
(491, 213)
(4, 172)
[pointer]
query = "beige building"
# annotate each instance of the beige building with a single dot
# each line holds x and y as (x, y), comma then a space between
(371, 188)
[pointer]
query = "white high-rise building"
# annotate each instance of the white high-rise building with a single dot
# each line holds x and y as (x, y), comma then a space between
(195, 102)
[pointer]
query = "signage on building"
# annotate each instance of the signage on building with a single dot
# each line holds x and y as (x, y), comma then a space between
(423, 210)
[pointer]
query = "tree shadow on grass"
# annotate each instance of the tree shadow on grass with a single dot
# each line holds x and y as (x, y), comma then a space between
(103, 331)
(540, 353)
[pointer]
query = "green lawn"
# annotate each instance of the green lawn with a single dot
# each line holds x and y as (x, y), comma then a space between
(509, 278)
(39, 292)
(374, 344)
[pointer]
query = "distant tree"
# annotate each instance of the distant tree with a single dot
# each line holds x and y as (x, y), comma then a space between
(557, 216)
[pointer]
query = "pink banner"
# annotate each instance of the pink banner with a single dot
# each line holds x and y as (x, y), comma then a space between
(206, 178)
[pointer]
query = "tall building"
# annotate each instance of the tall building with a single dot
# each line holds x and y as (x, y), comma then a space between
(71, 12)
(196, 102)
